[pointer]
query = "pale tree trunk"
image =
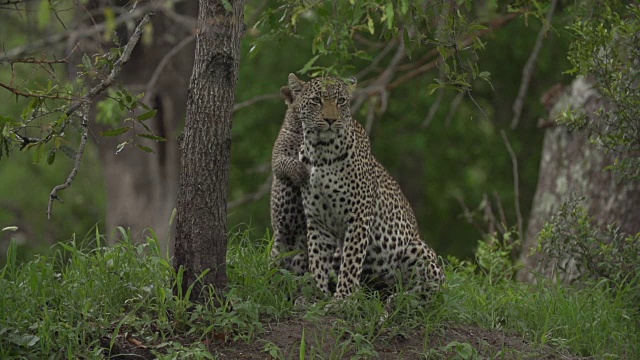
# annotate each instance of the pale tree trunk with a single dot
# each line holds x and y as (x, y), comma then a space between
(201, 229)
(571, 166)
(142, 187)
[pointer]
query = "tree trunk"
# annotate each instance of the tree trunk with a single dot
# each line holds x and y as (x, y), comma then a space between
(571, 166)
(201, 228)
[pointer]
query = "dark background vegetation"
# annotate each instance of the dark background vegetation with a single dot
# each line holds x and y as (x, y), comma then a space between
(459, 157)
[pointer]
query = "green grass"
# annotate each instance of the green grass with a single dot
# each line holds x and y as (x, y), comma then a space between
(77, 300)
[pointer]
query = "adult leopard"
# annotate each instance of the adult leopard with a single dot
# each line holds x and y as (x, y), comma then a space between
(352, 205)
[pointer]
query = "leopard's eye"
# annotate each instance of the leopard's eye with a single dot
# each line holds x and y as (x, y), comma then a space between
(341, 101)
(316, 100)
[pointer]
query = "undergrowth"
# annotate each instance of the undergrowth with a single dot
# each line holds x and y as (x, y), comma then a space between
(82, 298)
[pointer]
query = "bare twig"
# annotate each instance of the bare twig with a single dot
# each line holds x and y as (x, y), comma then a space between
(21, 51)
(503, 218)
(76, 164)
(165, 60)
(434, 107)
(117, 66)
(254, 196)
(189, 23)
(254, 100)
(454, 108)
(527, 71)
(516, 183)
(378, 89)
(468, 214)
(418, 68)
(381, 55)
(32, 95)
(32, 60)
(84, 103)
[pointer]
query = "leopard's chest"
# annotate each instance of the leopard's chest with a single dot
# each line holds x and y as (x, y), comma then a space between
(327, 198)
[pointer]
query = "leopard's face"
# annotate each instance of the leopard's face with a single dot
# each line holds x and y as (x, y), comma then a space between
(323, 103)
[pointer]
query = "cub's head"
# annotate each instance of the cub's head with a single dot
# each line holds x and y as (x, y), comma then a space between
(324, 102)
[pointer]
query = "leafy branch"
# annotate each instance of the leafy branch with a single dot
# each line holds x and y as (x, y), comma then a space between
(86, 99)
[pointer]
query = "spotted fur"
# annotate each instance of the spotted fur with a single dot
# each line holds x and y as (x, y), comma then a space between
(353, 207)
(288, 221)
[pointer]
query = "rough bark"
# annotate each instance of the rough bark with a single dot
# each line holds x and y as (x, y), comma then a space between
(201, 229)
(571, 166)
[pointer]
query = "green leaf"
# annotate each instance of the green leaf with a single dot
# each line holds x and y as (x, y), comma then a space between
(121, 146)
(68, 150)
(110, 21)
(370, 25)
(309, 64)
(23, 340)
(86, 62)
(148, 115)
(52, 156)
(389, 13)
(152, 137)
(227, 5)
(116, 132)
(44, 9)
(144, 148)
(404, 7)
(38, 153)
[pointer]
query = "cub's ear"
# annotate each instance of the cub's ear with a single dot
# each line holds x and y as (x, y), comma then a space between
(295, 85)
(286, 94)
(352, 81)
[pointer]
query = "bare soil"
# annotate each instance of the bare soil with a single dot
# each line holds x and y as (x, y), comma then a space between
(486, 343)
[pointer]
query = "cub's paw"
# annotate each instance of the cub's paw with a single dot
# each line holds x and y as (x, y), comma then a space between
(299, 174)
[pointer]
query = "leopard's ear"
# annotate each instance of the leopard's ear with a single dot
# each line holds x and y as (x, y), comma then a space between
(287, 95)
(295, 85)
(352, 81)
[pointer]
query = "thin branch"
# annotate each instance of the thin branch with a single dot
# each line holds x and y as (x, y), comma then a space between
(454, 108)
(32, 95)
(254, 196)
(117, 66)
(378, 89)
(23, 50)
(503, 218)
(468, 40)
(468, 214)
(371, 114)
(84, 103)
(165, 60)
(76, 164)
(190, 23)
(254, 100)
(387, 49)
(32, 60)
(434, 107)
(516, 183)
(527, 71)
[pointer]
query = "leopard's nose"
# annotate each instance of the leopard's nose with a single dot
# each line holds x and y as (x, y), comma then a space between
(330, 121)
